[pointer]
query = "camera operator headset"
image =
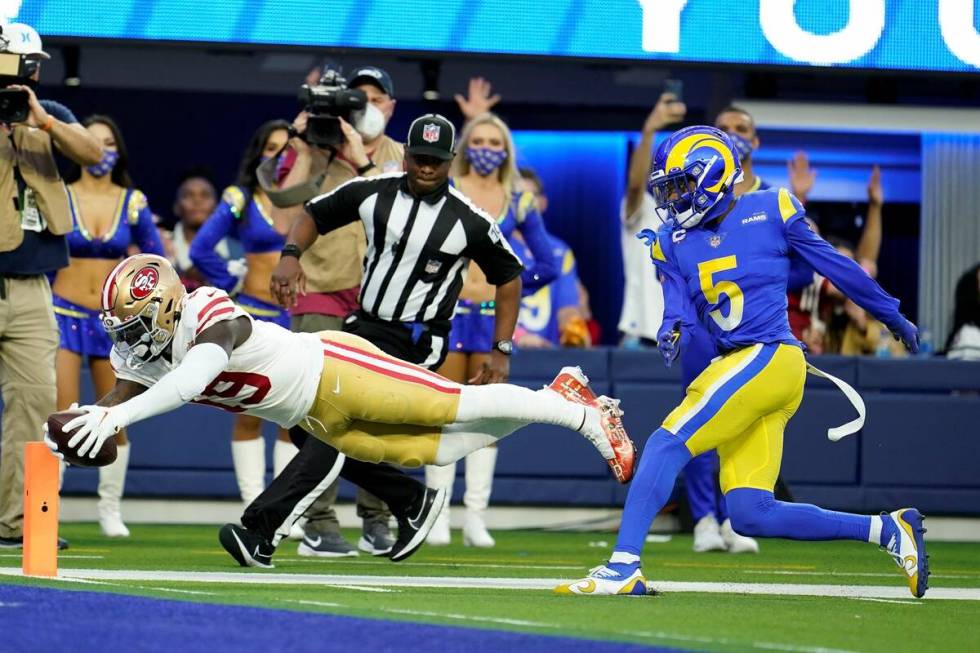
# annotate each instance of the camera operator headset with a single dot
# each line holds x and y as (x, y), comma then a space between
(339, 135)
(34, 219)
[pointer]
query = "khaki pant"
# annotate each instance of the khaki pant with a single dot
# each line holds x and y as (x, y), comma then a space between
(28, 345)
(322, 518)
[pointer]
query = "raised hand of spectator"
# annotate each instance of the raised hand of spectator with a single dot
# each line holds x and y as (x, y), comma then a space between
(478, 98)
(668, 111)
(876, 196)
(801, 175)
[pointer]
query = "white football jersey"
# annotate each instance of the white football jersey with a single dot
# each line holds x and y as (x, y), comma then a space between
(643, 297)
(273, 375)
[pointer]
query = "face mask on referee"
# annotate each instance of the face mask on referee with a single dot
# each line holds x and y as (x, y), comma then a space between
(485, 160)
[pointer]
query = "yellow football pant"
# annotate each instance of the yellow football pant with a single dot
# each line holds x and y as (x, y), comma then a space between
(740, 405)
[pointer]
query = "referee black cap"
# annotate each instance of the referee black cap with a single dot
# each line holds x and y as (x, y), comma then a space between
(432, 135)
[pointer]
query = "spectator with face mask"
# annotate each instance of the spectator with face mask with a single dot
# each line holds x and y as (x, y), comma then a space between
(332, 271)
(485, 171)
(110, 216)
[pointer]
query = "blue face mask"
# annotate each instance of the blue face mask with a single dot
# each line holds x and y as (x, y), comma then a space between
(742, 146)
(105, 166)
(485, 160)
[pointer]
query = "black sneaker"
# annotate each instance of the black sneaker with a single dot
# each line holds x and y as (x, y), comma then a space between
(247, 548)
(325, 545)
(18, 543)
(376, 539)
(413, 528)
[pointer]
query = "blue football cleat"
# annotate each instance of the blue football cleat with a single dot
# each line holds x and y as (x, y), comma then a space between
(608, 580)
(907, 546)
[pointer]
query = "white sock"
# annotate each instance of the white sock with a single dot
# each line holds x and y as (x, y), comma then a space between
(620, 557)
(460, 439)
(874, 535)
(282, 453)
(511, 402)
(249, 459)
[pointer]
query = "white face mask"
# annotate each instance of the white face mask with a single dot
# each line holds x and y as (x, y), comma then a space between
(369, 123)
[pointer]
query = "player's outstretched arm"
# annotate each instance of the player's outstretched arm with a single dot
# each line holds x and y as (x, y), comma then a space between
(205, 360)
(123, 391)
(852, 280)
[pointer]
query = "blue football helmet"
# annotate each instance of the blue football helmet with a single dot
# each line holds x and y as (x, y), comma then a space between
(693, 170)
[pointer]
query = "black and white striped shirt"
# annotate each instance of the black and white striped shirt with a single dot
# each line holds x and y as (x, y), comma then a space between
(418, 249)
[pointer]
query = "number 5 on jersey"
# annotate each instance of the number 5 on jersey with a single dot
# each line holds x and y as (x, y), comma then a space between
(713, 291)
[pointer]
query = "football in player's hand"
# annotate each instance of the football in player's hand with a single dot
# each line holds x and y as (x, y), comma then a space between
(57, 433)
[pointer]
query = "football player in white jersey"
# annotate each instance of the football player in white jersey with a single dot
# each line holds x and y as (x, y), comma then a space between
(171, 348)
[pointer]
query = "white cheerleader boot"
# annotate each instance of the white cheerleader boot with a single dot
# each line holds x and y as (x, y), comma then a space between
(479, 481)
(438, 477)
(112, 480)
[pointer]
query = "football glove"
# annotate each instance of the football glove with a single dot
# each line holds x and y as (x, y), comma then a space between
(97, 425)
(52, 445)
(907, 332)
(669, 343)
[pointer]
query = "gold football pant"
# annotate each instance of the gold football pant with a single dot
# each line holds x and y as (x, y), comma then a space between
(377, 408)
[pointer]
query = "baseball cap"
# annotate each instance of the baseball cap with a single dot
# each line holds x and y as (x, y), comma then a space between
(375, 76)
(18, 38)
(432, 135)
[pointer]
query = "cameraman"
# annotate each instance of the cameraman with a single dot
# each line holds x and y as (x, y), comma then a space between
(34, 219)
(333, 272)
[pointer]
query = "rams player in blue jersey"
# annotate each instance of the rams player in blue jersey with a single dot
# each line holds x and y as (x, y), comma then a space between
(724, 262)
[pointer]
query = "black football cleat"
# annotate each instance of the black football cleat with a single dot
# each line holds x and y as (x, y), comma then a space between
(247, 548)
(18, 543)
(415, 526)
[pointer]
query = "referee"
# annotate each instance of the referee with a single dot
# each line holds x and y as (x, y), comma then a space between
(421, 235)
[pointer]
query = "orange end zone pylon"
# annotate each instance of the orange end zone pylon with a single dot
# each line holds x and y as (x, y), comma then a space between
(40, 510)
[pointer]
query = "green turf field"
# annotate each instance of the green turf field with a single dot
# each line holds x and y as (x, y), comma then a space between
(711, 617)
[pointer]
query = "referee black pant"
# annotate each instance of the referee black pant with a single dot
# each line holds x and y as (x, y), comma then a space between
(317, 465)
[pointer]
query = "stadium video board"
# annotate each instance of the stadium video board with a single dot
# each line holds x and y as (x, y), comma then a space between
(928, 35)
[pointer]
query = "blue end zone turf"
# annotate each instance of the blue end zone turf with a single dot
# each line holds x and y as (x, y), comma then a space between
(44, 620)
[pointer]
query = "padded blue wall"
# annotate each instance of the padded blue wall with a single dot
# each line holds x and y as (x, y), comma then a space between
(918, 447)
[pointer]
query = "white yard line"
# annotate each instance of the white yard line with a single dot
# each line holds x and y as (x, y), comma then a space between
(344, 580)
(61, 556)
(868, 598)
(856, 574)
(451, 565)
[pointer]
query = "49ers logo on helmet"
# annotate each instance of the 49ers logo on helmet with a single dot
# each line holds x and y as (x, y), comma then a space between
(144, 281)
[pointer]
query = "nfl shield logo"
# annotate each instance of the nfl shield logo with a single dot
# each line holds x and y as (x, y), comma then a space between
(714, 241)
(430, 133)
(432, 266)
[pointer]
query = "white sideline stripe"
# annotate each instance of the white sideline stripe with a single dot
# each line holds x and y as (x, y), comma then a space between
(454, 565)
(862, 574)
(69, 556)
(262, 578)
(868, 598)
